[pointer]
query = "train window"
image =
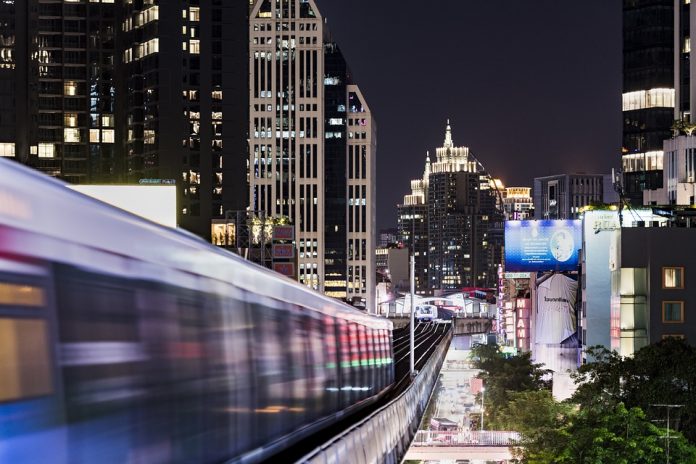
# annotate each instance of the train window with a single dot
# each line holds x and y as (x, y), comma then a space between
(24, 363)
(21, 295)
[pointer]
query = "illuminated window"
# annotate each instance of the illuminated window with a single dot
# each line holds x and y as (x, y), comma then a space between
(149, 137)
(47, 150)
(70, 119)
(71, 135)
(148, 48)
(677, 336)
(653, 98)
(21, 295)
(673, 277)
(216, 94)
(107, 135)
(194, 13)
(7, 149)
(24, 361)
(672, 312)
(94, 135)
(687, 45)
(194, 46)
(70, 88)
(107, 120)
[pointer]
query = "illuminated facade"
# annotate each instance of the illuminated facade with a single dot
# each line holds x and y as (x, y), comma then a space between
(518, 203)
(125, 91)
(649, 95)
(413, 227)
(456, 206)
(311, 148)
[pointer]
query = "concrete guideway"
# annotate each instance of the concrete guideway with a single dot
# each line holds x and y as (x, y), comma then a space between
(385, 435)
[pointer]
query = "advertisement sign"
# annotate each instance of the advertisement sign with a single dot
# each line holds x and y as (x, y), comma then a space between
(283, 232)
(287, 269)
(551, 245)
(283, 251)
(156, 203)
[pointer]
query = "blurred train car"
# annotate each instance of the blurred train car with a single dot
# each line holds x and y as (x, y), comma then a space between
(122, 341)
(426, 312)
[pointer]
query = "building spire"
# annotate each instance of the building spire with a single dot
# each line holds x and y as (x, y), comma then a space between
(448, 136)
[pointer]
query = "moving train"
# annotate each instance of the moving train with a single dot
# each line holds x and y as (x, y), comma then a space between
(122, 341)
(426, 312)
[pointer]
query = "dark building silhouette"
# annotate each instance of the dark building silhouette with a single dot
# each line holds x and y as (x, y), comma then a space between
(124, 91)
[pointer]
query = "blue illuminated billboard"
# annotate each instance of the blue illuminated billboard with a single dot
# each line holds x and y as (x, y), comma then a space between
(532, 246)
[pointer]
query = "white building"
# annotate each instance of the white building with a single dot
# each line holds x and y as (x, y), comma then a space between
(679, 174)
(309, 152)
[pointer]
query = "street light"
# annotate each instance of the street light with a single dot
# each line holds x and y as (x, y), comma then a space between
(483, 396)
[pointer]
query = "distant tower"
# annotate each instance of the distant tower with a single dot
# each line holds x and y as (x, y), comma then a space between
(452, 222)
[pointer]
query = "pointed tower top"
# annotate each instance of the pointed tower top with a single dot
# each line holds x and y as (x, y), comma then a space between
(427, 156)
(448, 136)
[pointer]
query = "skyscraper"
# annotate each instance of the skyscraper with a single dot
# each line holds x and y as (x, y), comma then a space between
(651, 49)
(311, 148)
(456, 207)
(126, 91)
(464, 223)
(413, 227)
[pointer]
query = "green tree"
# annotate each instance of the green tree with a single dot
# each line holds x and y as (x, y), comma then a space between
(503, 376)
(616, 435)
(661, 373)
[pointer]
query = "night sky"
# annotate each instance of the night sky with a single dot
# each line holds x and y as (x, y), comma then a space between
(532, 87)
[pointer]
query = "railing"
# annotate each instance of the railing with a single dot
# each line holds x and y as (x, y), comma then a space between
(432, 438)
(385, 435)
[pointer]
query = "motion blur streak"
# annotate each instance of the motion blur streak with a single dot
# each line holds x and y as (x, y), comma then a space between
(122, 341)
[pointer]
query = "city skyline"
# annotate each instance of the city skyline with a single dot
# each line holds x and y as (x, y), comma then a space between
(520, 125)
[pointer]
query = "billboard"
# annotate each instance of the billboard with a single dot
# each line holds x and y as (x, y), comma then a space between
(154, 202)
(551, 245)
(283, 251)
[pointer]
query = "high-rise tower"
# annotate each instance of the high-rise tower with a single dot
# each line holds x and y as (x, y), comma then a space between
(312, 147)
(117, 92)
(452, 220)
(650, 51)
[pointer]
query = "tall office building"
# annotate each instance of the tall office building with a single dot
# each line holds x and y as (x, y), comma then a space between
(413, 227)
(655, 67)
(457, 211)
(312, 148)
(131, 91)
(464, 222)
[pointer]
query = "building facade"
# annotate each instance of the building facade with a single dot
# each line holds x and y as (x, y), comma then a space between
(463, 220)
(124, 92)
(563, 196)
(650, 51)
(518, 203)
(312, 143)
(413, 227)
(653, 285)
(679, 174)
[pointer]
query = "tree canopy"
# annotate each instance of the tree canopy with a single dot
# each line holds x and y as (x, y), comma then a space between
(658, 374)
(613, 418)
